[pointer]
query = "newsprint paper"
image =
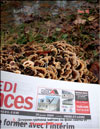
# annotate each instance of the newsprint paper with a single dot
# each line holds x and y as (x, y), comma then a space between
(38, 103)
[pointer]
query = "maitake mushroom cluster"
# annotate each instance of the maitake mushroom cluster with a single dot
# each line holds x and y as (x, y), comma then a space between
(55, 61)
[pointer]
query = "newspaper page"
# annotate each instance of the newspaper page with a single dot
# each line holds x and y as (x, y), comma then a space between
(38, 103)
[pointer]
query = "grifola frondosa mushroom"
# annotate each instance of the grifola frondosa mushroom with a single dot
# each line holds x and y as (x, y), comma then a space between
(33, 57)
(17, 71)
(38, 63)
(28, 63)
(59, 61)
(40, 71)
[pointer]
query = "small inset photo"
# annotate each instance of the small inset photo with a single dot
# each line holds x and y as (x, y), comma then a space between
(67, 97)
(68, 101)
(49, 103)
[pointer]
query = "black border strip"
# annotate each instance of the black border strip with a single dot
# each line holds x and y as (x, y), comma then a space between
(41, 114)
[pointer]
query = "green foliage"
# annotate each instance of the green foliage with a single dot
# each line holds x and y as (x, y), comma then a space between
(22, 40)
(44, 47)
(38, 38)
(64, 36)
(95, 53)
(51, 39)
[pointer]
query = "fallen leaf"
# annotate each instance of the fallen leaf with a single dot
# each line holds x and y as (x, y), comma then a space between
(83, 11)
(91, 18)
(95, 68)
(50, 24)
(69, 27)
(87, 11)
(63, 30)
(64, 36)
(80, 11)
(58, 29)
(45, 5)
(79, 21)
(95, 52)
